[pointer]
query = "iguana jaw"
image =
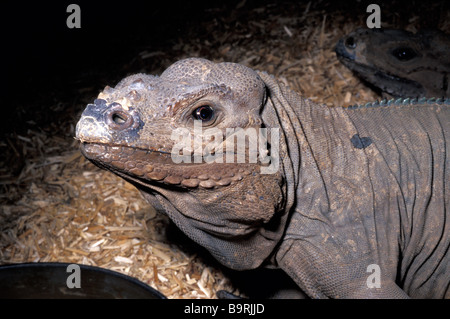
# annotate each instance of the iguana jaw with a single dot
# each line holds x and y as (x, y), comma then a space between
(154, 173)
(152, 167)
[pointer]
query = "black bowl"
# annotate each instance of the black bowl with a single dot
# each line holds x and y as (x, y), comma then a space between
(58, 280)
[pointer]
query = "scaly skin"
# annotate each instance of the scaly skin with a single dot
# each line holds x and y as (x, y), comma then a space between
(354, 187)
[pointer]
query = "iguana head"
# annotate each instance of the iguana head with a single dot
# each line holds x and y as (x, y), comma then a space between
(176, 138)
(398, 62)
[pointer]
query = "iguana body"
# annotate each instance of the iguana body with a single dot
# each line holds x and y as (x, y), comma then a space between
(355, 187)
(398, 62)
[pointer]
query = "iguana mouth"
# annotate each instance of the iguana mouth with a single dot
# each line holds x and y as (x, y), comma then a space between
(150, 166)
(109, 153)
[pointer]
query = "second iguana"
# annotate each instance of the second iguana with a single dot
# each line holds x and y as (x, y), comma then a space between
(400, 63)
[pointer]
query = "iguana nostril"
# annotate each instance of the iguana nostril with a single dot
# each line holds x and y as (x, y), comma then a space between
(119, 119)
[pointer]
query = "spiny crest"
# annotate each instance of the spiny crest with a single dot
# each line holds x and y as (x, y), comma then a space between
(402, 101)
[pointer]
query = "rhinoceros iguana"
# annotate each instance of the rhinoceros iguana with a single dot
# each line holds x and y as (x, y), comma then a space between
(400, 63)
(349, 202)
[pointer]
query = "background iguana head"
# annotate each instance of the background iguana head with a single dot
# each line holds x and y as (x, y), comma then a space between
(398, 62)
(229, 208)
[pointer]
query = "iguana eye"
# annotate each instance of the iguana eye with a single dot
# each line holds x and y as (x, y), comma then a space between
(350, 43)
(404, 53)
(204, 113)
